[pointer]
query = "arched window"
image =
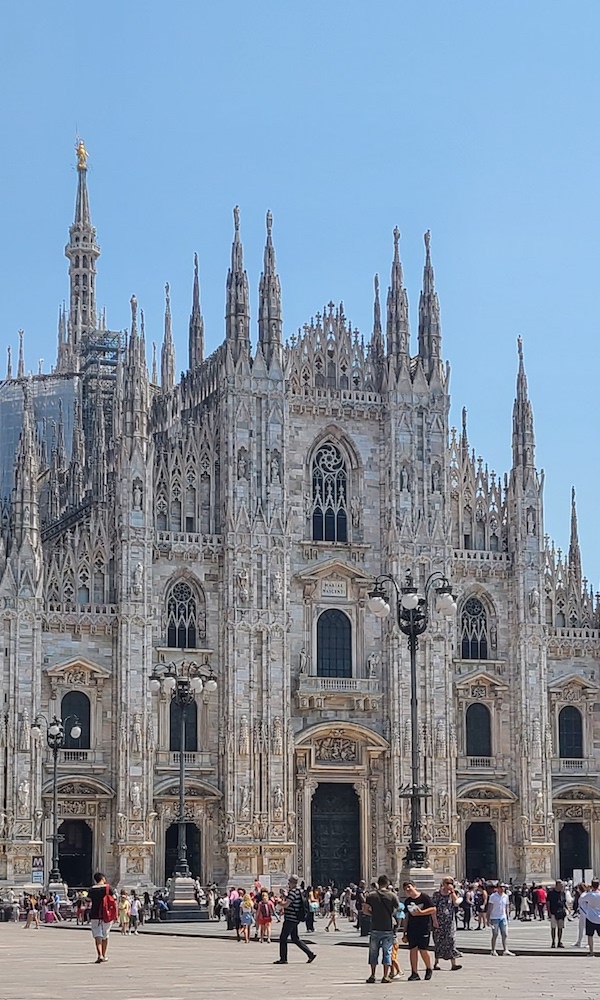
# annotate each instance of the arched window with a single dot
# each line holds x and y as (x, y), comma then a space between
(570, 732)
(329, 495)
(191, 727)
(182, 617)
(76, 705)
(334, 644)
(474, 631)
(479, 731)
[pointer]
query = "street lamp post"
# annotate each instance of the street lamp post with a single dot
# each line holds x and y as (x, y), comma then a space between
(55, 738)
(183, 682)
(412, 611)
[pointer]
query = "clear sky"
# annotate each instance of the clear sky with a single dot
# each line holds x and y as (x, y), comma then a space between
(473, 118)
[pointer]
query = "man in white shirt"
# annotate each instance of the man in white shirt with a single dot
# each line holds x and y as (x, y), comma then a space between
(589, 905)
(497, 910)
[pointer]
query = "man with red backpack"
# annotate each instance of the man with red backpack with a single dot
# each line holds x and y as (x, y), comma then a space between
(103, 913)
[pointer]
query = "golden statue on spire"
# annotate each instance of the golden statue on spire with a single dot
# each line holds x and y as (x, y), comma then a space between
(82, 154)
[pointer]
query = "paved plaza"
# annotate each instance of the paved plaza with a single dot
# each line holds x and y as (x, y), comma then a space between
(57, 964)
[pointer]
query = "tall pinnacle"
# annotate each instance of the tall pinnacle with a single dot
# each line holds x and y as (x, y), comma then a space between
(237, 310)
(575, 575)
(82, 253)
(430, 334)
(21, 362)
(397, 307)
(25, 500)
(523, 441)
(167, 354)
(196, 335)
(269, 295)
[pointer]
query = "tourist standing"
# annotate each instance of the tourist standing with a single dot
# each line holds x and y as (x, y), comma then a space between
(103, 905)
(557, 909)
(419, 910)
(135, 906)
(293, 913)
(264, 917)
(445, 901)
(498, 917)
(246, 916)
(382, 905)
(590, 904)
(579, 892)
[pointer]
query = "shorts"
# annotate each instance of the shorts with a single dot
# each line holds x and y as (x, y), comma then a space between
(381, 940)
(499, 923)
(100, 929)
(556, 922)
(591, 929)
(416, 937)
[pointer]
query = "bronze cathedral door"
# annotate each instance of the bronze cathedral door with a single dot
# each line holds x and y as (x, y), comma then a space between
(335, 829)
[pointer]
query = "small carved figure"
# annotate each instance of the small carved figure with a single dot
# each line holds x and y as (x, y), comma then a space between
(493, 636)
(25, 733)
(82, 154)
(121, 826)
(243, 586)
(443, 806)
(278, 800)
(303, 662)
(275, 470)
(404, 483)
(245, 802)
(242, 464)
(356, 511)
(3, 825)
(244, 736)
(524, 829)
(138, 577)
(136, 797)
(38, 817)
(531, 521)
(137, 733)
(387, 801)
(373, 663)
(436, 479)
(23, 797)
(229, 828)
(538, 808)
(277, 736)
(277, 587)
(138, 495)
(534, 604)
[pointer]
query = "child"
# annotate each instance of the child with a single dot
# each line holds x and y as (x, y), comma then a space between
(399, 917)
(124, 912)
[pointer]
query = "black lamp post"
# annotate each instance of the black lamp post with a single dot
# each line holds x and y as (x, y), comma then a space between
(412, 613)
(183, 682)
(55, 738)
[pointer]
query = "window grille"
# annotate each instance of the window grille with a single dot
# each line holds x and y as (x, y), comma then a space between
(474, 631)
(182, 617)
(329, 491)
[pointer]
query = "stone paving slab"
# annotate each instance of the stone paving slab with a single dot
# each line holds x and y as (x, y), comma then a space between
(45, 965)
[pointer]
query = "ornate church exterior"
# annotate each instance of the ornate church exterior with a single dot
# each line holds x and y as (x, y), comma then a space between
(237, 519)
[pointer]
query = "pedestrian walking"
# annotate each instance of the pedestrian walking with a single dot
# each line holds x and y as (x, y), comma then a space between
(590, 904)
(103, 913)
(579, 892)
(334, 909)
(124, 911)
(498, 917)
(382, 905)
(135, 908)
(246, 917)
(293, 914)
(445, 901)
(557, 908)
(419, 910)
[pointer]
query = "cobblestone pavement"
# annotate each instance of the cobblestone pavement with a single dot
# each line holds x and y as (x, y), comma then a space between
(59, 965)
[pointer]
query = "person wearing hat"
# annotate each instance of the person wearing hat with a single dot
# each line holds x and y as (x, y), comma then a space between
(294, 910)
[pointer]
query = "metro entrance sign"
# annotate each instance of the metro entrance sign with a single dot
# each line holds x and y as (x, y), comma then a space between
(37, 869)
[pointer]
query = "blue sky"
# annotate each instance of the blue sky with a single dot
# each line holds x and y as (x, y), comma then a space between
(475, 119)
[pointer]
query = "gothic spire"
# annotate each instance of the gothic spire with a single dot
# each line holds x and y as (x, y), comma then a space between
(575, 575)
(167, 354)
(21, 362)
(82, 253)
(9, 362)
(269, 295)
(154, 367)
(25, 504)
(464, 438)
(237, 311)
(196, 334)
(523, 442)
(77, 466)
(99, 470)
(430, 334)
(135, 382)
(377, 348)
(397, 307)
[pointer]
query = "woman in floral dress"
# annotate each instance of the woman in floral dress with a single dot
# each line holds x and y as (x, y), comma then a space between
(445, 901)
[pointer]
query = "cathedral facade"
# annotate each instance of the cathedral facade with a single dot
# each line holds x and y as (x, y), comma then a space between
(236, 520)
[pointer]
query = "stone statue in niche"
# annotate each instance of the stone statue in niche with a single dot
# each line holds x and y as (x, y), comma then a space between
(137, 733)
(23, 797)
(303, 658)
(278, 800)
(243, 586)
(276, 469)
(138, 579)
(121, 826)
(242, 464)
(404, 482)
(277, 736)
(38, 817)
(534, 604)
(387, 801)
(136, 798)
(443, 806)
(244, 736)
(25, 734)
(277, 587)
(530, 521)
(245, 802)
(373, 664)
(538, 807)
(524, 829)
(137, 494)
(436, 479)
(355, 511)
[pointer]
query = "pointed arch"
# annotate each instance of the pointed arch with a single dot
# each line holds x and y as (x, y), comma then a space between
(185, 608)
(476, 626)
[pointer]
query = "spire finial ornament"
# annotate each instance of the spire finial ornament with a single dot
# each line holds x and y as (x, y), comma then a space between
(168, 296)
(21, 364)
(82, 154)
(269, 222)
(133, 304)
(396, 242)
(520, 348)
(236, 218)
(427, 238)
(376, 284)
(9, 362)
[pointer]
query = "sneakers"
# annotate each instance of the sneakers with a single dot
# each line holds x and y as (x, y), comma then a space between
(413, 976)
(371, 979)
(511, 954)
(428, 973)
(494, 953)
(311, 958)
